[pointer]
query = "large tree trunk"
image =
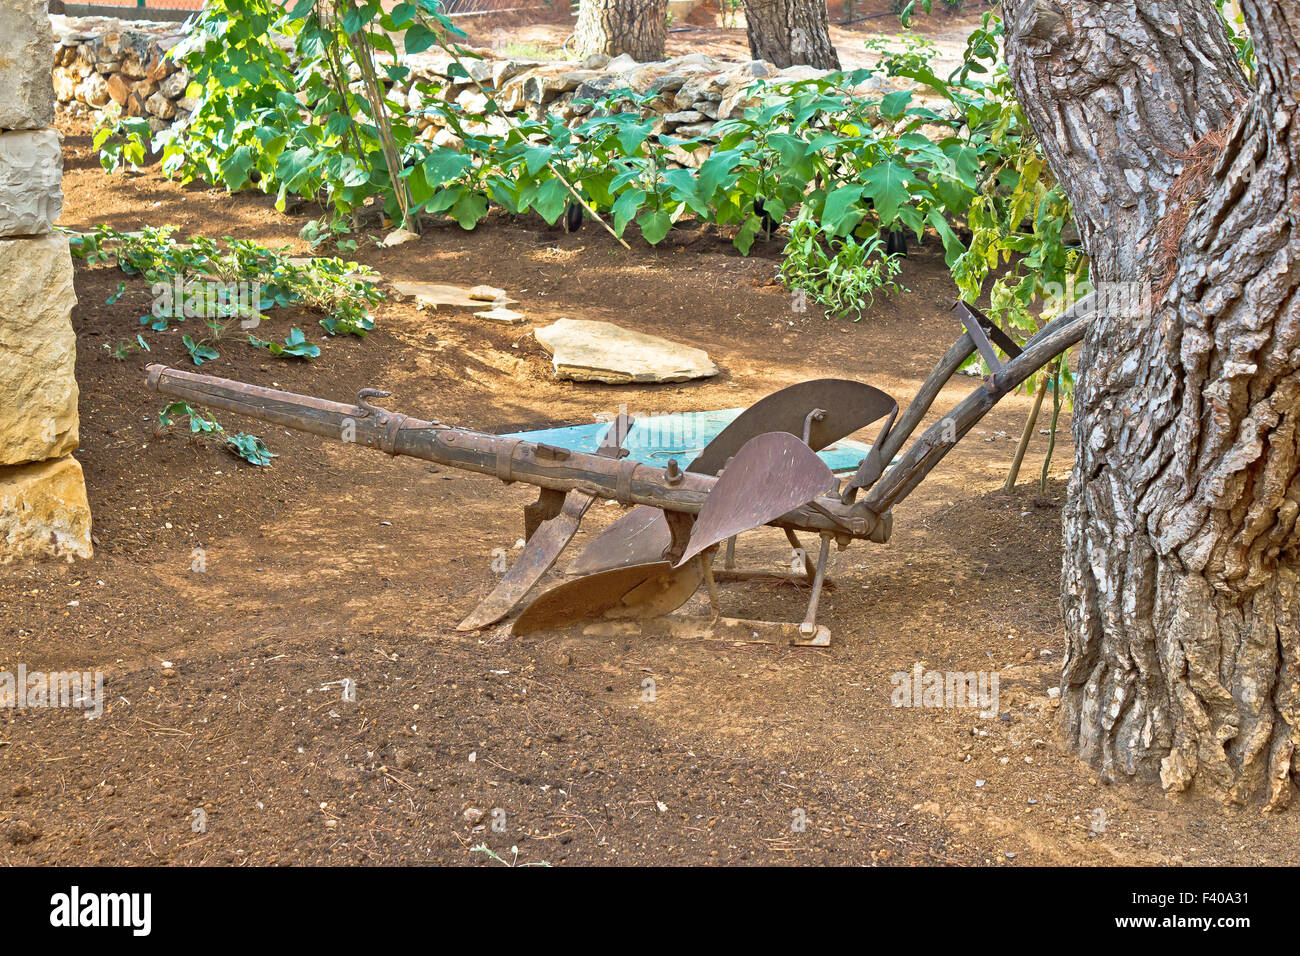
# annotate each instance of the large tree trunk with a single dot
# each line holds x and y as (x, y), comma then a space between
(791, 32)
(635, 27)
(1181, 579)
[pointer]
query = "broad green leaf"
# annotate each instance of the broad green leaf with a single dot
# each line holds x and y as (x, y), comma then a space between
(537, 158)
(419, 38)
(654, 224)
(469, 209)
(840, 213)
(895, 104)
(747, 233)
(443, 165)
(626, 206)
(886, 186)
(235, 170)
(551, 199)
(444, 199)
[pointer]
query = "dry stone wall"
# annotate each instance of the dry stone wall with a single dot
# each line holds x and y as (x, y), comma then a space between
(43, 507)
(101, 61)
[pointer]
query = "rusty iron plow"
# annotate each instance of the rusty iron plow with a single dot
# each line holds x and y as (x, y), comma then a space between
(761, 470)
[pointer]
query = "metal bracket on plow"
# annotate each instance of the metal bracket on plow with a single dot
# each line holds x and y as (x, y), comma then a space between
(981, 329)
(810, 630)
(548, 505)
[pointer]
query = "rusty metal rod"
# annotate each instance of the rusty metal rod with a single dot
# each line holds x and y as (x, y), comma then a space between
(510, 459)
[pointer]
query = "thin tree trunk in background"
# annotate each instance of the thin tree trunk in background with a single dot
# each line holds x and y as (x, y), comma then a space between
(635, 27)
(1181, 578)
(791, 32)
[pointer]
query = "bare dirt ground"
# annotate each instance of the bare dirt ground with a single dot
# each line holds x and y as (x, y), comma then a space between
(341, 563)
(542, 31)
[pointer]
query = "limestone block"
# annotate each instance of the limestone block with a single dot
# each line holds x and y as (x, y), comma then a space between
(38, 351)
(173, 87)
(31, 178)
(118, 89)
(44, 512)
(587, 351)
(93, 90)
(27, 61)
(161, 107)
(65, 84)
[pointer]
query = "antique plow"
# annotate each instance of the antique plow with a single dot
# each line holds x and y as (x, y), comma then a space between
(762, 469)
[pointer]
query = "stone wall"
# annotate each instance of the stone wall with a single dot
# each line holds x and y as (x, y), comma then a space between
(43, 507)
(100, 61)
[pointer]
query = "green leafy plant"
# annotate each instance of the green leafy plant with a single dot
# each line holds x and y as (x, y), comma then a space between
(302, 131)
(493, 855)
(121, 141)
(295, 345)
(1241, 39)
(906, 50)
(124, 349)
(180, 272)
(1023, 252)
(341, 292)
(200, 351)
(851, 166)
(248, 447)
(842, 273)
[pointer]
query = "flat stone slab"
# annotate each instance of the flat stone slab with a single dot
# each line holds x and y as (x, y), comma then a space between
(502, 315)
(434, 296)
(586, 351)
(397, 237)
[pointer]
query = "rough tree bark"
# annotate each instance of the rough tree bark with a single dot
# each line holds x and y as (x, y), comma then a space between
(1181, 579)
(791, 32)
(635, 27)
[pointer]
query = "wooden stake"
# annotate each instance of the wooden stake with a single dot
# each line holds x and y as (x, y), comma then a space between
(1025, 436)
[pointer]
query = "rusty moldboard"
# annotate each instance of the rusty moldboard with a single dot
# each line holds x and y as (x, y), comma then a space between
(845, 406)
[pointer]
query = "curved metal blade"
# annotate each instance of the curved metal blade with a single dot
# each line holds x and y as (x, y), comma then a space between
(642, 591)
(544, 545)
(847, 406)
(638, 537)
(772, 474)
(539, 554)
(641, 535)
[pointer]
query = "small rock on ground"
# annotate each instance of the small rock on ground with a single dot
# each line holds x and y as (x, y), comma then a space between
(503, 315)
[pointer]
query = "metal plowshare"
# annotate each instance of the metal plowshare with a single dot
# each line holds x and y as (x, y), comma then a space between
(762, 469)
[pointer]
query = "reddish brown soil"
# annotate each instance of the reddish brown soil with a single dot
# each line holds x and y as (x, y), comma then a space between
(340, 563)
(537, 29)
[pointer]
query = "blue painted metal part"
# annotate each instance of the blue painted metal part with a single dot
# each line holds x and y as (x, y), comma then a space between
(656, 438)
